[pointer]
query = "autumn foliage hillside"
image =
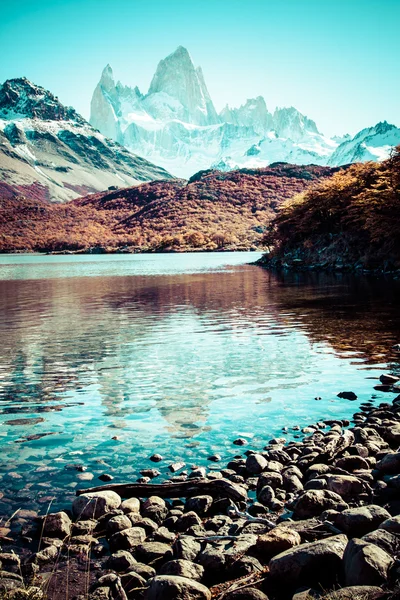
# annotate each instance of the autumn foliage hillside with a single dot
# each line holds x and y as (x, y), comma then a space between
(351, 220)
(213, 210)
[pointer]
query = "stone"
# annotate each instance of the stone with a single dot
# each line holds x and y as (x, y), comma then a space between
(388, 379)
(291, 482)
(131, 505)
(364, 592)
(347, 395)
(183, 568)
(244, 565)
(352, 463)
(106, 477)
(315, 484)
(384, 539)
(93, 505)
(266, 495)
(212, 559)
(392, 524)
(255, 464)
(177, 466)
(121, 561)
(10, 562)
(172, 587)
(347, 486)
(57, 525)
(240, 442)
(276, 541)
(390, 463)
(247, 593)
(187, 520)
(151, 473)
(199, 504)
(47, 555)
(164, 535)
(317, 562)
(186, 547)
(271, 478)
(156, 458)
(138, 521)
(143, 570)
(101, 593)
(359, 521)
(131, 582)
(118, 523)
(313, 502)
(365, 564)
(127, 539)
(155, 553)
(214, 457)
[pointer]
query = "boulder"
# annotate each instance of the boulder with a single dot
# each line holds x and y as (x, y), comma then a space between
(312, 563)
(271, 478)
(199, 504)
(255, 464)
(364, 592)
(385, 540)
(143, 570)
(118, 523)
(365, 563)
(121, 561)
(392, 524)
(186, 547)
(361, 520)
(131, 505)
(57, 525)
(352, 463)
(131, 582)
(266, 495)
(95, 504)
(276, 541)
(347, 486)
(390, 463)
(155, 553)
(187, 520)
(172, 587)
(246, 594)
(313, 502)
(127, 539)
(182, 568)
(212, 559)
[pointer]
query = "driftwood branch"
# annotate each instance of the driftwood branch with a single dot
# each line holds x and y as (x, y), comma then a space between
(234, 511)
(181, 489)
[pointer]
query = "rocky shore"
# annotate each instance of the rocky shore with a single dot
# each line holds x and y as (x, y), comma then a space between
(318, 517)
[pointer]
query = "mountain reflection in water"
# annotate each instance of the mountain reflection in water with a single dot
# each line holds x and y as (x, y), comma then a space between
(179, 363)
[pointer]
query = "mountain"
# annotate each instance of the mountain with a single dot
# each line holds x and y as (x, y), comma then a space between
(212, 210)
(49, 151)
(176, 126)
(373, 143)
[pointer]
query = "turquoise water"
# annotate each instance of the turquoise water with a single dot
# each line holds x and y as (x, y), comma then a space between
(176, 354)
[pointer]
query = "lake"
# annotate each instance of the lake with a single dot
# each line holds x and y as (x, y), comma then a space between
(105, 360)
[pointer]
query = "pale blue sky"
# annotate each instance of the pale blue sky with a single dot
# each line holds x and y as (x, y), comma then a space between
(336, 61)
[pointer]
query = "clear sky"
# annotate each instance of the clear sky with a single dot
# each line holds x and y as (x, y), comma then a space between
(336, 61)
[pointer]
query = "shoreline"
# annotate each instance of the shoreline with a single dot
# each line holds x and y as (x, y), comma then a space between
(224, 527)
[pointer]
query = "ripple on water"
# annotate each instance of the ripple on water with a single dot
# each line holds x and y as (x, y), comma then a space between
(105, 360)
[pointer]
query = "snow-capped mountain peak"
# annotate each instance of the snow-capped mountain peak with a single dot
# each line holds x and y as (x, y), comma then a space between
(176, 125)
(177, 78)
(20, 97)
(49, 151)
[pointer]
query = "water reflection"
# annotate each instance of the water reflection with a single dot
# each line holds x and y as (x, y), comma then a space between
(179, 363)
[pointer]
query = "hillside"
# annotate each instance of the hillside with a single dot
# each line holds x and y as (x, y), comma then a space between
(350, 221)
(49, 152)
(213, 210)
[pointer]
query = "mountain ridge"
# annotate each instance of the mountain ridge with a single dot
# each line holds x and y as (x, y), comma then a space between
(48, 149)
(175, 125)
